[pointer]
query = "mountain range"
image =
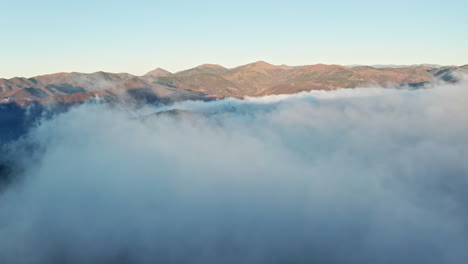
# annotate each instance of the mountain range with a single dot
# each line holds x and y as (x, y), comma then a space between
(212, 81)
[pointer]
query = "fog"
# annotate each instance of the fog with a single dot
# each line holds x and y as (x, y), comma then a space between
(365, 175)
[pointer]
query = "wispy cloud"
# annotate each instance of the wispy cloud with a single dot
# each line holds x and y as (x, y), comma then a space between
(351, 176)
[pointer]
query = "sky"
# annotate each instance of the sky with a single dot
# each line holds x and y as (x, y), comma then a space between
(40, 37)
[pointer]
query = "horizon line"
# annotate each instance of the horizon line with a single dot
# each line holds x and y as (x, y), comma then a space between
(383, 65)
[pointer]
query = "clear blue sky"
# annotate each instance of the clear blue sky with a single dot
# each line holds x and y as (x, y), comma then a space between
(39, 37)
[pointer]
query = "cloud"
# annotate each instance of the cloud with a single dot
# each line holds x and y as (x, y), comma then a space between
(364, 175)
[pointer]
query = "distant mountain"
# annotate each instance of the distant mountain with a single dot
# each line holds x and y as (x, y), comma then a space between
(399, 66)
(210, 81)
(205, 68)
(403, 66)
(158, 72)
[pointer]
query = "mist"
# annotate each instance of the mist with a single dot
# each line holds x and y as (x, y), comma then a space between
(365, 175)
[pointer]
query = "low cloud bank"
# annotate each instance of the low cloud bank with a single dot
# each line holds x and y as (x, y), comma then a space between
(349, 176)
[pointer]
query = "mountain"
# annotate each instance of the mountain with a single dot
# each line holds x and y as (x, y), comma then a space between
(398, 66)
(210, 81)
(202, 69)
(158, 72)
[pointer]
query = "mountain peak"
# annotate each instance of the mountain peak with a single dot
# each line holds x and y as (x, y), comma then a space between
(261, 63)
(203, 69)
(159, 72)
(258, 66)
(210, 66)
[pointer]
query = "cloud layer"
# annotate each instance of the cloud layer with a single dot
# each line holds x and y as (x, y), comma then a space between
(351, 176)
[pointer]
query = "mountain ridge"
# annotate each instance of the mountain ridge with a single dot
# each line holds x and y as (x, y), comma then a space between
(211, 81)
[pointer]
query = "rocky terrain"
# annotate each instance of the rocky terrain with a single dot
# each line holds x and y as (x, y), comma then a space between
(210, 81)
